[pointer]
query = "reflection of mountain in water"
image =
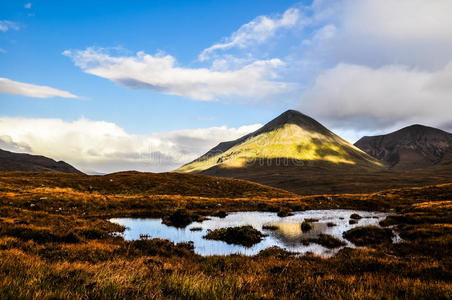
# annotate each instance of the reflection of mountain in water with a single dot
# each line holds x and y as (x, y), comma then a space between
(290, 234)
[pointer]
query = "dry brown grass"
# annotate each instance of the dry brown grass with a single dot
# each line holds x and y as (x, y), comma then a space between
(68, 253)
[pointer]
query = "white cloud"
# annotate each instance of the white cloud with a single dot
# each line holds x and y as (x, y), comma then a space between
(354, 94)
(6, 25)
(106, 147)
(28, 5)
(255, 32)
(380, 32)
(8, 86)
(399, 20)
(376, 65)
(161, 73)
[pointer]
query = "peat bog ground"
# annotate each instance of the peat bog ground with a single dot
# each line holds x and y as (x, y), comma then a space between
(56, 242)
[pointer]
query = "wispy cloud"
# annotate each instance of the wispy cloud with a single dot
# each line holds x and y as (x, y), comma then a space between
(6, 25)
(161, 73)
(27, 5)
(8, 86)
(255, 32)
(106, 147)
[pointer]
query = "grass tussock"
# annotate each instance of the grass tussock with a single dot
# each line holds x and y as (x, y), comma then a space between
(306, 226)
(244, 235)
(327, 241)
(369, 235)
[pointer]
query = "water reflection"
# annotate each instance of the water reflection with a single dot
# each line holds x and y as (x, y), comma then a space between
(287, 233)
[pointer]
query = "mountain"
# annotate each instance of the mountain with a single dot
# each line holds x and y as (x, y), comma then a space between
(10, 161)
(292, 138)
(282, 152)
(409, 148)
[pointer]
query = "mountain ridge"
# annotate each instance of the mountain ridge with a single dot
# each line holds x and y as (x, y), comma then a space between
(412, 147)
(11, 161)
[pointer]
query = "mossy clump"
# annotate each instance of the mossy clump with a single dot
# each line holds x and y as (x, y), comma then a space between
(196, 229)
(221, 214)
(355, 217)
(327, 241)
(311, 220)
(285, 212)
(369, 235)
(179, 218)
(244, 235)
(305, 226)
(270, 227)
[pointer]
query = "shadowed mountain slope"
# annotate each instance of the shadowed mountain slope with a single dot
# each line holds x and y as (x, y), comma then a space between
(412, 147)
(10, 161)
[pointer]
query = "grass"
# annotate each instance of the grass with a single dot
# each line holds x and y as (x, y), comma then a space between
(68, 253)
(327, 241)
(244, 235)
(270, 227)
(180, 218)
(368, 235)
(285, 212)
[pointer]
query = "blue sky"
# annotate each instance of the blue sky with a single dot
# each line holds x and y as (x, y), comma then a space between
(180, 28)
(149, 85)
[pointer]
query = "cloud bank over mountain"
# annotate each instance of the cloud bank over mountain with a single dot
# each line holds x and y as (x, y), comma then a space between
(106, 147)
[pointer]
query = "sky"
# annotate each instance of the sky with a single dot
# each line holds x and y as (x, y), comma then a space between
(151, 85)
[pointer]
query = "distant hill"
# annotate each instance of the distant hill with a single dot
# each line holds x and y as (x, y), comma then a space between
(10, 161)
(138, 183)
(282, 153)
(412, 147)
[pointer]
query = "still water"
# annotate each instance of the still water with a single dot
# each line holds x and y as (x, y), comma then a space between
(288, 235)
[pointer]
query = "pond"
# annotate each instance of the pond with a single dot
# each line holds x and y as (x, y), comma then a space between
(288, 234)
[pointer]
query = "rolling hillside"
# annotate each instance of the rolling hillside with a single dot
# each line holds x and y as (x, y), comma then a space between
(10, 161)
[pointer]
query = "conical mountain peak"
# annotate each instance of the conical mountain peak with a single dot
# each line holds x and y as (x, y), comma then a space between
(296, 118)
(292, 137)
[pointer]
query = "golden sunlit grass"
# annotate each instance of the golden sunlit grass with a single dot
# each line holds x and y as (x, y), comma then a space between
(62, 247)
